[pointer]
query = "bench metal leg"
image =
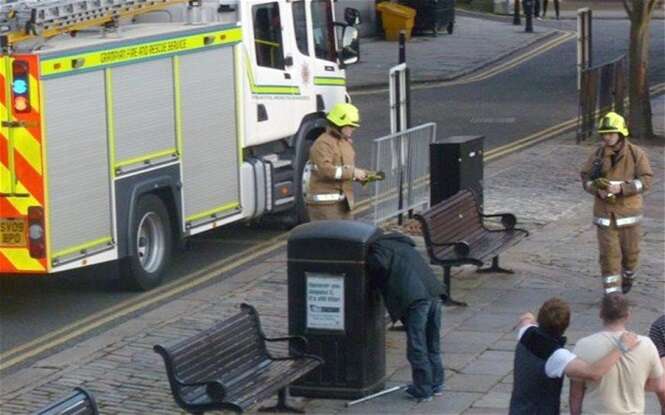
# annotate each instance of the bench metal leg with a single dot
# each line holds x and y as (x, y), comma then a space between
(282, 406)
(495, 268)
(449, 300)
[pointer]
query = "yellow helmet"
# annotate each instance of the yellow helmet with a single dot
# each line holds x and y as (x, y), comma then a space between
(612, 123)
(344, 114)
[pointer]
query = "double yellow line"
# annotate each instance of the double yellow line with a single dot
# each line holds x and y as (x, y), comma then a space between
(559, 38)
(61, 336)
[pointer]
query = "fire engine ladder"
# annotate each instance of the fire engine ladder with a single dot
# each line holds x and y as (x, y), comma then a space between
(26, 19)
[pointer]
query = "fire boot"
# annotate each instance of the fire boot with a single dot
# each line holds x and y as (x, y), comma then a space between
(628, 278)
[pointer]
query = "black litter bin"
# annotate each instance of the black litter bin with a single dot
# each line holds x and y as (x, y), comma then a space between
(433, 15)
(332, 304)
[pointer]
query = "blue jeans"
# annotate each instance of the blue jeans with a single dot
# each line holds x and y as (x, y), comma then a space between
(423, 348)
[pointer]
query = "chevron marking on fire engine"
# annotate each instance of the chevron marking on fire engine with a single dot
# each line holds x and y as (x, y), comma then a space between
(20, 203)
(21, 160)
(7, 209)
(21, 260)
(29, 148)
(27, 161)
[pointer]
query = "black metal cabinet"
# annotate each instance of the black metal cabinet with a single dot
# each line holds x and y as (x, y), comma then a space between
(456, 163)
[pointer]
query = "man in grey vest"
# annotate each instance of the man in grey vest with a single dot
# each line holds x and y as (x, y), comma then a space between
(541, 360)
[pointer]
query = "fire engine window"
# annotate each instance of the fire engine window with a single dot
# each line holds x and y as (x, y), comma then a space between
(268, 35)
(300, 27)
(323, 30)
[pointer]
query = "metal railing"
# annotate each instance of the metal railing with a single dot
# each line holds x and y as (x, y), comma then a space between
(404, 158)
(603, 88)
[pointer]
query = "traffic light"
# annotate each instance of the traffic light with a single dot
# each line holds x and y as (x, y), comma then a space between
(21, 86)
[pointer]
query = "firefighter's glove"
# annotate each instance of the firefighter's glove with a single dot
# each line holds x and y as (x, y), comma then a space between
(611, 198)
(601, 183)
(374, 176)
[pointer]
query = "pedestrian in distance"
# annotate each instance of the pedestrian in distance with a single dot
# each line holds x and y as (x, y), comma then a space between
(556, 8)
(657, 336)
(617, 173)
(621, 389)
(412, 294)
(332, 167)
(541, 360)
(535, 8)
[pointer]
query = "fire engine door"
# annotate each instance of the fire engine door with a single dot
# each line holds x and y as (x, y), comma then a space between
(329, 79)
(275, 84)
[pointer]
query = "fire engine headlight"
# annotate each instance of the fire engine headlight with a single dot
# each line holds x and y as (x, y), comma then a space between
(36, 231)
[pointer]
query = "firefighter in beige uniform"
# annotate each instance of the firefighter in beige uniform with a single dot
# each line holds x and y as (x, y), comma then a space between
(332, 161)
(617, 174)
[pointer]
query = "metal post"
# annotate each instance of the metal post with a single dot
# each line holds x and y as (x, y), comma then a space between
(400, 124)
(580, 45)
(583, 43)
(516, 13)
(590, 37)
(407, 93)
(528, 9)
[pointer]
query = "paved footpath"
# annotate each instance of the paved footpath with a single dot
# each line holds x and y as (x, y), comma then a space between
(539, 184)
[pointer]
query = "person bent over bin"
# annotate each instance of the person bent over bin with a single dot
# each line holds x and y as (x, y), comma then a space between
(412, 294)
(332, 164)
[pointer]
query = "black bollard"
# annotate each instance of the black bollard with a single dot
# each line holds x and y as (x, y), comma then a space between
(516, 13)
(528, 10)
(402, 47)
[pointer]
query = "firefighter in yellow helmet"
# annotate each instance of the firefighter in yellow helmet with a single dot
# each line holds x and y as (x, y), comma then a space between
(616, 174)
(333, 166)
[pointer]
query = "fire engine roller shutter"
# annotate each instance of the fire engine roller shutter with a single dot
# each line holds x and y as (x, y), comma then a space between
(79, 206)
(210, 146)
(143, 109)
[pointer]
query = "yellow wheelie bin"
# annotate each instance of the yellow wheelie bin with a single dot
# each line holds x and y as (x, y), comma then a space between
(396, 18)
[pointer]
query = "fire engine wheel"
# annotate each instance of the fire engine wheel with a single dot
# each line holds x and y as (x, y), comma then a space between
(150, 245)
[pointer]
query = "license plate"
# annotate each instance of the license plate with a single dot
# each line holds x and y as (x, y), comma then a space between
(12, 232)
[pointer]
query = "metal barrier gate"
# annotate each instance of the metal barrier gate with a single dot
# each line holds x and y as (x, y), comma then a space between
(603, 89)
(404, 158)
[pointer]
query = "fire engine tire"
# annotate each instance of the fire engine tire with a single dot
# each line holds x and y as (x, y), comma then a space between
(150, 245)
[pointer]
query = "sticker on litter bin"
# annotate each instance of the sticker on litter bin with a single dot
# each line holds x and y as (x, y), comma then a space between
(325, 301)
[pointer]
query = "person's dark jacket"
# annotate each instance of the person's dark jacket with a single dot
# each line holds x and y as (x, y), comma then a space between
(401, 273)
(534, 393)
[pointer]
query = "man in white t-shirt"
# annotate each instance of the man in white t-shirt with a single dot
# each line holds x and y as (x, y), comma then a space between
(621, 390)
(541, 360)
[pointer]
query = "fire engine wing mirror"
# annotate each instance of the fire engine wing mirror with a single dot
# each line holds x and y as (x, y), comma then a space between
(350, 52)
(351, 16)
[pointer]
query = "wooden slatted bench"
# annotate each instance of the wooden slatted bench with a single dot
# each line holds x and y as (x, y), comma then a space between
(80, 402)
(455, 234)
(229, 367)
